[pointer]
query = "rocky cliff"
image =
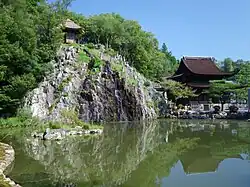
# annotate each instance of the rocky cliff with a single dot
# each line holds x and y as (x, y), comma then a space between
(99, 86)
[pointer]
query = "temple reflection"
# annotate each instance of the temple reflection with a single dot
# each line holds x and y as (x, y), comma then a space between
(201, 160)
(218, 142)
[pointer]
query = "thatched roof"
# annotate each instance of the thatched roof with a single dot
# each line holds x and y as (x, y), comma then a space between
(69, 24)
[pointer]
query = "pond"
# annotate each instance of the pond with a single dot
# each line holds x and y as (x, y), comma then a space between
(162, 153)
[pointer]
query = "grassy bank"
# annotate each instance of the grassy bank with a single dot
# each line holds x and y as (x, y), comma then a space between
(68, 120)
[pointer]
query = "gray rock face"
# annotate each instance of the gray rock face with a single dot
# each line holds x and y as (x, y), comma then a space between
(101, 96)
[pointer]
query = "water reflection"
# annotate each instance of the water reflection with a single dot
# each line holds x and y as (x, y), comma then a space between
(134, 154)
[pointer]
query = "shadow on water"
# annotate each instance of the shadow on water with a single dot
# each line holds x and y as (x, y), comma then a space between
(128, 154)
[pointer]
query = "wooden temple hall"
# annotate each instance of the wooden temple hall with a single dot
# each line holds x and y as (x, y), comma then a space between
(196, 72)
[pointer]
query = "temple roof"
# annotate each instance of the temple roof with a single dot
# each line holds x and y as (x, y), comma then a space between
(202, 65)
(69, 24)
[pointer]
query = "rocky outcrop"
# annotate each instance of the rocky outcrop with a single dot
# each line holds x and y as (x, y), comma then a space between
(113, 92)
(7, 156)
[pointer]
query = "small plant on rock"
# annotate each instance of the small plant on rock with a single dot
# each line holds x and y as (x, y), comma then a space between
(147, 83)
(90, 45)
(83, 57)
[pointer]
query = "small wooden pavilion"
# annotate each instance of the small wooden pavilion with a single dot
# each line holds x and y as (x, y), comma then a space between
(196, 72)
(71, 30)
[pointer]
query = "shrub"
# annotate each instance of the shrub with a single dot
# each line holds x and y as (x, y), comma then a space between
(18, 122)
(90, 45)
(24, 114)
(64, 83)
(180, 106)
(86, 127)
(95, 65)
(110, 52)
(83, 57)
(117, 67)
(71, 117)
(54, 125)
(131, 81)
(53, 105)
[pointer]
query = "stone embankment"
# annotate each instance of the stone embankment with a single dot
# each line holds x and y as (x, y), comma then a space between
(7, 156)
(189, 114)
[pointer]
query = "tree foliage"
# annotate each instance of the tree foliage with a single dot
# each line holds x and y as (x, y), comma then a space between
(126, 37)
(219, 88)
(170, 60)
(240, 82)
(228, 65)
(178, 90)
(29, 38)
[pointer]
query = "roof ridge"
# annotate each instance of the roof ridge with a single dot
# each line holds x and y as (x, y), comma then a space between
(198, 57)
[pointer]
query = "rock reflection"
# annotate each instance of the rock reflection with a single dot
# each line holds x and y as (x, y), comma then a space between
(107, 159)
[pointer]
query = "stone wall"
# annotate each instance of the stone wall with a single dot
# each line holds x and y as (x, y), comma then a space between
(6, 158)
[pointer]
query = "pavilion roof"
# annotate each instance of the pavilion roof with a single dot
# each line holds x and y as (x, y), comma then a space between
(69, 24)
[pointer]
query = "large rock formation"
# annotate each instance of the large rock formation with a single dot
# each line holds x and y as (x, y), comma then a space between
(113, 92)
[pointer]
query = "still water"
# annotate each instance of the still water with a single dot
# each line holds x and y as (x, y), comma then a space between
(161, 153)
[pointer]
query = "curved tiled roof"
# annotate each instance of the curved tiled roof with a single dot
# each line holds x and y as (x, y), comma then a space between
(202, 65)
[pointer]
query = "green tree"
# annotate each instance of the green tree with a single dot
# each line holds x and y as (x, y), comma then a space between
(178, 90)
(228, 65)
(126, 37)
(164, 49)
(171, 61)
(242, 76)
(29, 38)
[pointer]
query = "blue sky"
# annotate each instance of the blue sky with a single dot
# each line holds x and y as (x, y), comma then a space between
(218, 28)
